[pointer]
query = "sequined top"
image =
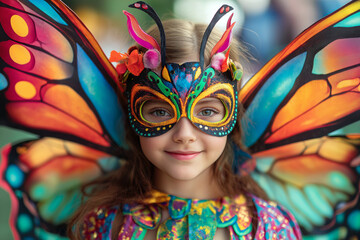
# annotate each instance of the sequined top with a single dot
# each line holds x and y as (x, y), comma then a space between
(193, 219)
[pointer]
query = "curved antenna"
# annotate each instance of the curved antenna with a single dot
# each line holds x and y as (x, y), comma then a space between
(224, 9)
(151, 12)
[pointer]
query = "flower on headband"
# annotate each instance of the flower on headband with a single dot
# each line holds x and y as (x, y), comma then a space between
(220, 61)
(132, 62)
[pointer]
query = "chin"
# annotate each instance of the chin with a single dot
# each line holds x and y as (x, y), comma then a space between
(184, 174)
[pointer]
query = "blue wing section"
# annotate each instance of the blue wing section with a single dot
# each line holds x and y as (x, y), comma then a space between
(268, 99)
(3, 82)
(48, 10)
(351, 21)
(102, 95)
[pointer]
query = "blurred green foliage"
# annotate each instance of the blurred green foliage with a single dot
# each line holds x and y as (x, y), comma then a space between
(113, 9)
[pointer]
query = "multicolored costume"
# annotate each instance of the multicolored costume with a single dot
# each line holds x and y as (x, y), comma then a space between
(301, 121)
(194, 219)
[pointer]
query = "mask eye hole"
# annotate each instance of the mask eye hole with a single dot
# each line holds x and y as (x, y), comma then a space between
(143, 103)
(220, 95)
(157, 111)
(165, 74)
(210, 110)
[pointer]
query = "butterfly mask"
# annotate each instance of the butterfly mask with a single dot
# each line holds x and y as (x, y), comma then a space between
(179, 90)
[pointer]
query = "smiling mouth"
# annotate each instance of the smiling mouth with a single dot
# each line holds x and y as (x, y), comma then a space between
(183, 155)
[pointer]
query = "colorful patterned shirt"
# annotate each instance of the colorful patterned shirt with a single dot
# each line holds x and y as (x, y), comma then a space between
(193, 219)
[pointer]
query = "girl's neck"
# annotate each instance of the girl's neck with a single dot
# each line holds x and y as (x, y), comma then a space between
(204, 186)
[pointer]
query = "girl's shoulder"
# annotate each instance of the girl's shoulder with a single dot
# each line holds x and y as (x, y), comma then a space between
(274, 221)
(97, 224)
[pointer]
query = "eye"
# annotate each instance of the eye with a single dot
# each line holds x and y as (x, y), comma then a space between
(210, 110)
(156, 111)
(160, 113)
(207, 112)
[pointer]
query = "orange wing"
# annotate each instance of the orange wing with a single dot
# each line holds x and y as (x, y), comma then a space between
(54, 78)
(309, 89)
(302, 124)
(44, 179)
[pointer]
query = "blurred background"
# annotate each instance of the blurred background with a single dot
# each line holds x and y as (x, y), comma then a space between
(265, 27)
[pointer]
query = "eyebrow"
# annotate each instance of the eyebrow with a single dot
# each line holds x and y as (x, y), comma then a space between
(157, 101)
(209, 100)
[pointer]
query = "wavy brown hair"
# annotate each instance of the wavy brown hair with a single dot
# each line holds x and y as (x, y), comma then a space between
(133, 181)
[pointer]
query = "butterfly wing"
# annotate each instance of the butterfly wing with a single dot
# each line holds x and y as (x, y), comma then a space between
(55, 80)
(44, 178)
(316, 179)
(302, 124)
(314, 77)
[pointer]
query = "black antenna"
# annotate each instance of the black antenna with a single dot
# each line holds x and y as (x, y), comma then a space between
(151, 12)
(224, 9)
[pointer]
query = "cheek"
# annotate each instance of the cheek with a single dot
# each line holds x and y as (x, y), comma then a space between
(146, 144)
(151, 146)
(217, 144)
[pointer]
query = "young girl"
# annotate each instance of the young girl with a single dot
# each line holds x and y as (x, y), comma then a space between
(179, 181)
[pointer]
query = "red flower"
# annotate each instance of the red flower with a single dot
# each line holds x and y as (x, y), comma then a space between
(121, 68)
(133, 62)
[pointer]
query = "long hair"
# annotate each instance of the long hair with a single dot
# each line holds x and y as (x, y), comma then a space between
(133, 181)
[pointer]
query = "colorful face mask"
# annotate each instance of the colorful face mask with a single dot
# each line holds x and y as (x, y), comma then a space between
(179, 92)
(207, 97)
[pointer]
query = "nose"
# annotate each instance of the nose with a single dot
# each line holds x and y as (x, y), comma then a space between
(184, 131)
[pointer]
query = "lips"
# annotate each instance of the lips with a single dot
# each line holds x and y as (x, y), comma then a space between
(180, 155)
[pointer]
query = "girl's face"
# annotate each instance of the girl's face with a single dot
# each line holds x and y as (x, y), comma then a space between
(184, 152)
